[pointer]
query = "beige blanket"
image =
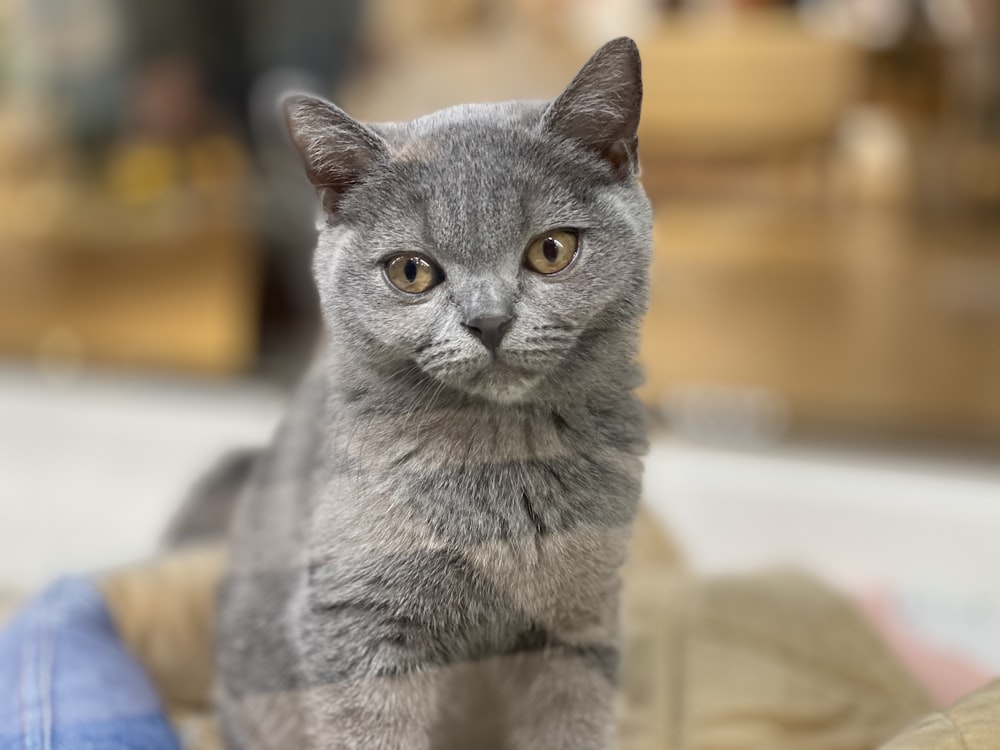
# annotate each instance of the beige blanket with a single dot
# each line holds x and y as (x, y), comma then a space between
(773, 661)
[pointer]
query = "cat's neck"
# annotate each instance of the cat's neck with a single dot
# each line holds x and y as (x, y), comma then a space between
(397, 405)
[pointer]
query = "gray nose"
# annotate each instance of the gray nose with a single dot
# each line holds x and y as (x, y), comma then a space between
(489, 330)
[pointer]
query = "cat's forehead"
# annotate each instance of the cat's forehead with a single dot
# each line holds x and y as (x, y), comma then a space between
(467, 139)
(512, 115)
(477, 178)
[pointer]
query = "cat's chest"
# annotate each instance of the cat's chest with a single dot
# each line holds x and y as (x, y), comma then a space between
(515, 518)
(538, 518)
(461, 493)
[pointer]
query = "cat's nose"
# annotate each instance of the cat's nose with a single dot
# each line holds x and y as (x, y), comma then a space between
(490, 330)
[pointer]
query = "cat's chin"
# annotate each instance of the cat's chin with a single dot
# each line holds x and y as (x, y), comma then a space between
(502, 385)
(504, 391)
(501, 379)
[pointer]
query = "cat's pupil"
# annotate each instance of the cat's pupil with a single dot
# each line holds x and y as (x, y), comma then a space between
(550, 249)
(410, 270)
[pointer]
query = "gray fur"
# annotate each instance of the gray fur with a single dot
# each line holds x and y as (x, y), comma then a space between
(207, 511)
(427, 556)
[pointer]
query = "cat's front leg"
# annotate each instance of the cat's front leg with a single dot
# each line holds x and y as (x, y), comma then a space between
(367, 680)
(375, 713)
(563, 701)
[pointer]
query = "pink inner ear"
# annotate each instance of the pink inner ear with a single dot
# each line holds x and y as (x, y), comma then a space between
(620, 155)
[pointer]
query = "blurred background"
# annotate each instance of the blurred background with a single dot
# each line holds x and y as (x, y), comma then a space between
(823, 349)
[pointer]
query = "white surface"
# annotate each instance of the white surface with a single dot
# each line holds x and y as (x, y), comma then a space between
(926, 534)
(90, 471)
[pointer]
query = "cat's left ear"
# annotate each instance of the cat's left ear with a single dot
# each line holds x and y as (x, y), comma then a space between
(337, 150)
(600, 108)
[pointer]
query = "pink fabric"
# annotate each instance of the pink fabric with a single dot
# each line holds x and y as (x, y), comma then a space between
(946, 676)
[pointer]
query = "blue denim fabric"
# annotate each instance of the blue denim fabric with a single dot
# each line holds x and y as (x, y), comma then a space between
(67, 683)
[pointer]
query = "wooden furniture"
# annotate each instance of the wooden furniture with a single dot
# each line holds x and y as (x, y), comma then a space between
(150, 266)
(868, 322)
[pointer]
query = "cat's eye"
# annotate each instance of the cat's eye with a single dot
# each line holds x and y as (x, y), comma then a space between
(552, 252)
(413, 274)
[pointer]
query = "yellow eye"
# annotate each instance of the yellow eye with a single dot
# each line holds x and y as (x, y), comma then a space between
(412, 274)
(551, 252)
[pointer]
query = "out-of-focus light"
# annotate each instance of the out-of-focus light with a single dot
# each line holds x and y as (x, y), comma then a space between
(739, 415)
(60, 354)
(881, 24)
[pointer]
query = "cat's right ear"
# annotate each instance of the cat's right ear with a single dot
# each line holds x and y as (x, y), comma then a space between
(336, 149)
(600, 108)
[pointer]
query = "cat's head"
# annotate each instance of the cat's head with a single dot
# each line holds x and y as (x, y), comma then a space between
(499, 250)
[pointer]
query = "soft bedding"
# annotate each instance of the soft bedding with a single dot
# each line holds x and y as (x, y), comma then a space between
(773, 660)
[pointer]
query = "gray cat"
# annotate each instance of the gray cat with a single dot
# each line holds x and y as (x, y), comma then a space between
(427, 555)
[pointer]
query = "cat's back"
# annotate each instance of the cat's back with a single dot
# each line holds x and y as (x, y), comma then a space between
(257, 685)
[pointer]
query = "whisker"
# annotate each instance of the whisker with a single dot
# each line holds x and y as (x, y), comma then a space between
(550, 339)
(538, 349)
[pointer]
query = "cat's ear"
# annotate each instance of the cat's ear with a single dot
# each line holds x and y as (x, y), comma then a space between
(337, 149)
(600, 108)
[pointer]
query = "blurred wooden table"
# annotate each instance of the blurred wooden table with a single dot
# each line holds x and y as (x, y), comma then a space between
(152, 265)
(860, 320)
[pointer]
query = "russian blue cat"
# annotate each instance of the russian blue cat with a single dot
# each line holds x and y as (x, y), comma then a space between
(427, 556)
